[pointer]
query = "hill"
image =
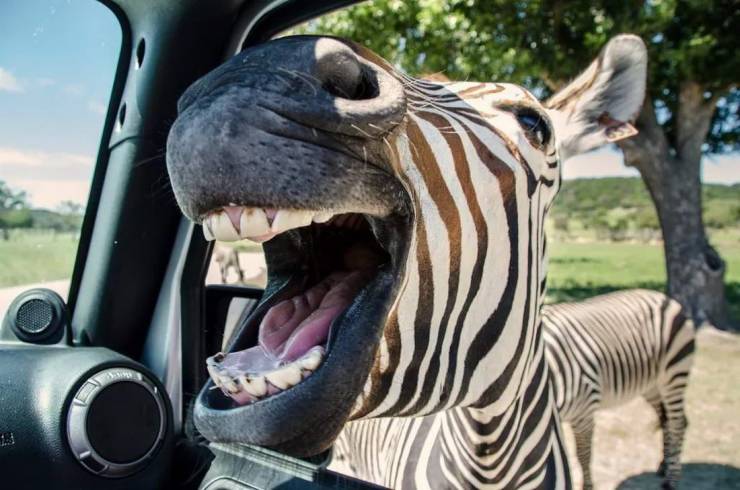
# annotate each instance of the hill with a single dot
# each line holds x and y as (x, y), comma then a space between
(620, 208)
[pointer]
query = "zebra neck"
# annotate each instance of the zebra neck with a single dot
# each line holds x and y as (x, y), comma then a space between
(463, 447)
(522, 446)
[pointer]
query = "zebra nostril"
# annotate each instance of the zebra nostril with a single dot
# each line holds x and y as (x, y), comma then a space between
(341, 73)
(362, 89)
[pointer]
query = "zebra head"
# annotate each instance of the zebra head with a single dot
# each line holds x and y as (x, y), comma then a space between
(403, 227)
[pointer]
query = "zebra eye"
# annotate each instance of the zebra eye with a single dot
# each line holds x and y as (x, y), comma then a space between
(535, 126)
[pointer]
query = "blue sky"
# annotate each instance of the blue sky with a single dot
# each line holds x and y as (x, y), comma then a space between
(57, 60)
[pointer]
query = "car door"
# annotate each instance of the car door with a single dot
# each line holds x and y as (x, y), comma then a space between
(96, 383)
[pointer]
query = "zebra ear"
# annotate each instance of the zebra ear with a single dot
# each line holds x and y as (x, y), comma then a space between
(597, 107)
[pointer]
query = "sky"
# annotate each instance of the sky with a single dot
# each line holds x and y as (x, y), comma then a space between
(57, 61)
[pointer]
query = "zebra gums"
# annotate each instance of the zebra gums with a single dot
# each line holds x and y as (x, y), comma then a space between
(609, 349)
(402, 223)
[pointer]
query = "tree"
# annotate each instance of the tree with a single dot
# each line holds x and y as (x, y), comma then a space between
(10, 199)
(14, 211)
(692, 107)
(71, 208)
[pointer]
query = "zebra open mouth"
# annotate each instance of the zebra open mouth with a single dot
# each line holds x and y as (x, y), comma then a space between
(308, 347)
(293, 335)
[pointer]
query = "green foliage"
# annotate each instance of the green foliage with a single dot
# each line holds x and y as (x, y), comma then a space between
(59, 222)
(15, 218)
(15, 212)
(12, 199)
(542, 43)
(618, 208)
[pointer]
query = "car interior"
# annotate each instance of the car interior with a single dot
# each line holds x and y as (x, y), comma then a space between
(97, 392)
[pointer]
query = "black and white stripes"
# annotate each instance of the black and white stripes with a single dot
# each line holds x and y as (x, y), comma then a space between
(610, 349)
(460, 394)
(464, 331)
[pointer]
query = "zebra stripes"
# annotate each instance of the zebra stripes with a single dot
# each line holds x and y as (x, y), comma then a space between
(459, 395)
(470, 300)
(609, 349)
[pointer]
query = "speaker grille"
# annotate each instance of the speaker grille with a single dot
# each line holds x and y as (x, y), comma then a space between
(123, 422)
(34, 316)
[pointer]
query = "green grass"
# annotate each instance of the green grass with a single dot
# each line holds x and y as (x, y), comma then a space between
(36, 256)
(581, 270)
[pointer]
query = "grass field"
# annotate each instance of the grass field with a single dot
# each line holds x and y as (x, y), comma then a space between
(32, 256)
(577, 270)
(581, 270)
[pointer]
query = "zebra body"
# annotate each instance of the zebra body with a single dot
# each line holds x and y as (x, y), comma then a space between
(610, 349)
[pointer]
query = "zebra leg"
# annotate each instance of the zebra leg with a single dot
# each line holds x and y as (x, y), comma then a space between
(673, 435)
(657, 404)
(583, 430)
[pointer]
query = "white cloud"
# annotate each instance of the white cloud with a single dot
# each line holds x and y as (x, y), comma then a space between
(45, 82)
(49, 194)
(8, 82)
(97, 107)
(48, 177)
(608, 162)
(76, 89)
(12, 157)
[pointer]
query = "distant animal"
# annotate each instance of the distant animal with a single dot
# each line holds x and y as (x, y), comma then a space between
(228, 258)
(609, 349)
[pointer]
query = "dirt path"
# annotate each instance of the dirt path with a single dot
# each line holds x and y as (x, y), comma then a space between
(7, 295)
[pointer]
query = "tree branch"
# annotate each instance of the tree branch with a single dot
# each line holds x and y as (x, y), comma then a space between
(693, 120)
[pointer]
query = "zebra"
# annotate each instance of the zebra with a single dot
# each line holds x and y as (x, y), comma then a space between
(609, 349)
(435, 374)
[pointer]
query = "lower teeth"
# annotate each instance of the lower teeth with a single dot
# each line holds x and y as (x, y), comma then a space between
(258, 385)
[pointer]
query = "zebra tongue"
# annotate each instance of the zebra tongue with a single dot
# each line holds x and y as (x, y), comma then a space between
(292, 327)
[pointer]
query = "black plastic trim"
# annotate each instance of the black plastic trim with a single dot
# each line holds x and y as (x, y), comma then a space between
(101, 163)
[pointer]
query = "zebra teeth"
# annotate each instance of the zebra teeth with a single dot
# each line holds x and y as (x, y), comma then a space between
(254, 385)
(259, 385)
(285, 377)
(253, 223)
(312, 359)
(207, 233)
(221, 227)
(229, 385)
(288, 219)
(322, 217)
(233, 223)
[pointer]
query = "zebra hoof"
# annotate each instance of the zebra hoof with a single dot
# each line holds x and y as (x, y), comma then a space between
(667, 485)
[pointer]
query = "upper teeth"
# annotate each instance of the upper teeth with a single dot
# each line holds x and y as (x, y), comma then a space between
(254, 225)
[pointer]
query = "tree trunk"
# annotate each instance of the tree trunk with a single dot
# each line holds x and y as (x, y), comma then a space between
(695, 270)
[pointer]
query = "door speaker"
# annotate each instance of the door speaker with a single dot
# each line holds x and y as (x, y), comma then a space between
(116, 422)
(38, 316)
